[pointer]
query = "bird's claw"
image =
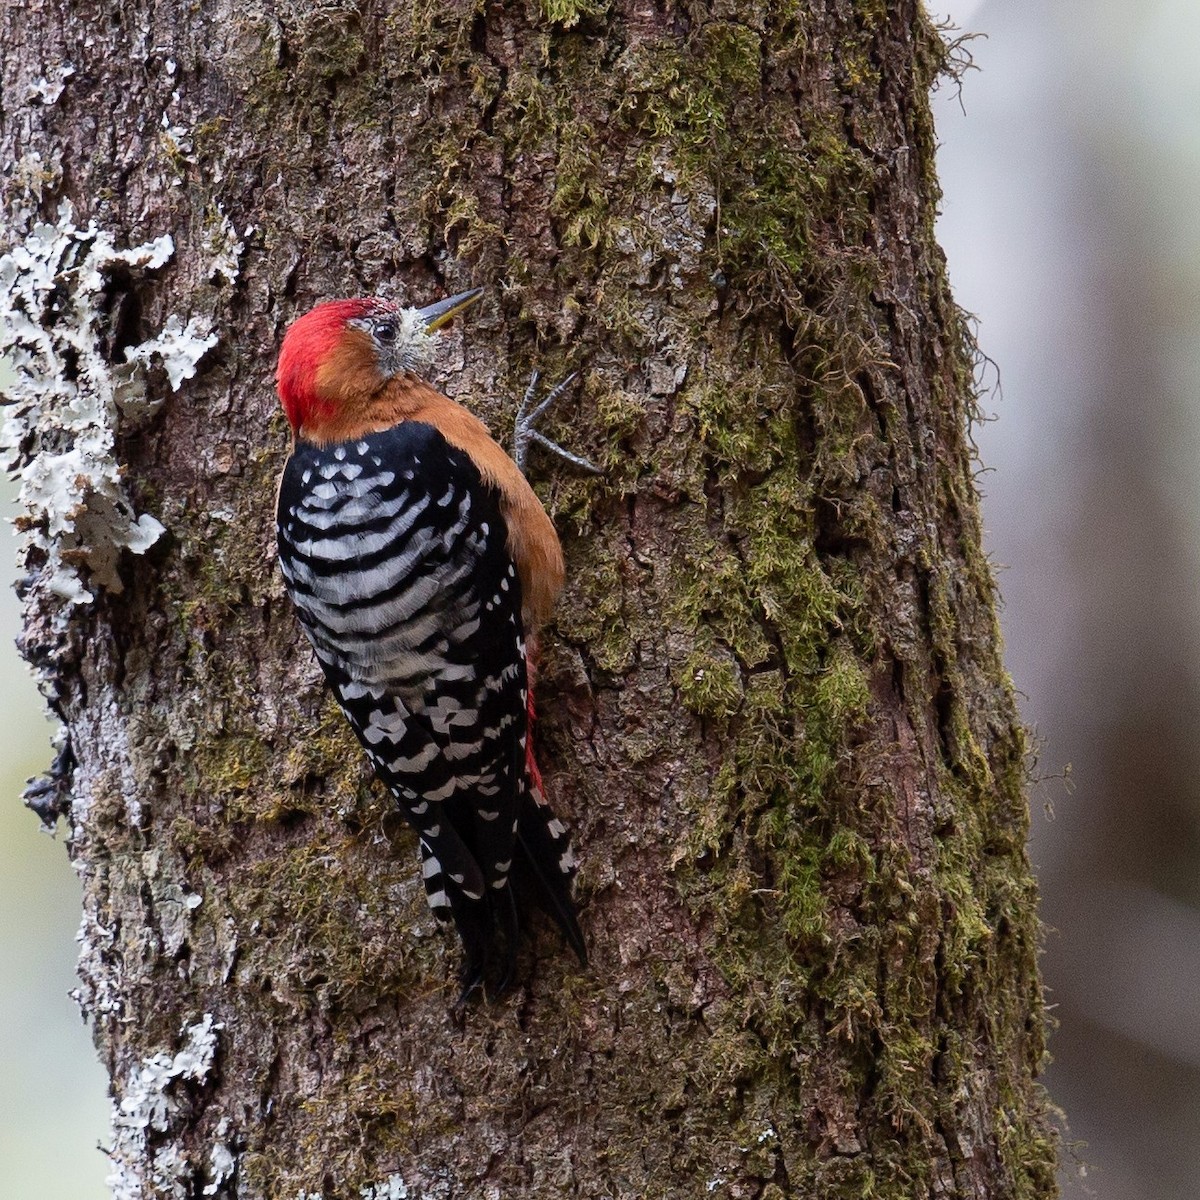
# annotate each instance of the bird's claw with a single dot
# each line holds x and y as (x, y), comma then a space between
(525, 430)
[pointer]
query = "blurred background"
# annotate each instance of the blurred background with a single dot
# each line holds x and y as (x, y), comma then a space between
(1071, 170)
(1072, 227)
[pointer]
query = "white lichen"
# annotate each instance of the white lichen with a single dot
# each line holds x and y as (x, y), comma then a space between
(223, 248)
(179, 347)
(62, 412)
(176, 138)
(50, 86)
(392, 1188)
(222, 1163)
(97, 996)
(146, 1160)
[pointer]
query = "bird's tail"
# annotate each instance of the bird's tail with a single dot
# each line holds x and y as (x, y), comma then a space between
(477, 921)
(547, 866)
(543, 867)
(545, 862)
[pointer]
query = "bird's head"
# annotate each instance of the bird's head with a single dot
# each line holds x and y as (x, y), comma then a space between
(337, 358)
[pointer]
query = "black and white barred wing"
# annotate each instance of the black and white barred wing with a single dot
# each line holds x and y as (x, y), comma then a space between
(395, 557)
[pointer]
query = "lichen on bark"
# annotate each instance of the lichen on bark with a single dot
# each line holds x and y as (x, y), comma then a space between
(773, 699)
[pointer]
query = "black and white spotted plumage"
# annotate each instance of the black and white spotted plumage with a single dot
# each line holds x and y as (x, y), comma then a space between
(394, 553)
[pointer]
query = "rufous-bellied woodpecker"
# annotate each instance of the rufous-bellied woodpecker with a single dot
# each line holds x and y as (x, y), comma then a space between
(421, 565)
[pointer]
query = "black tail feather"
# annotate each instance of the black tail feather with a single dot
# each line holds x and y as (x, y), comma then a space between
(505, 908)
(474, 924)
(547, 867)
(489, 925)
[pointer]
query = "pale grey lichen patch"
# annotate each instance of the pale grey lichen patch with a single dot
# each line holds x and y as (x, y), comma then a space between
(147, 1160)
(173, 906)
(62, 412)
(176, 138)
(392, 1188)
(224, 248)
(222, 1163)
(179, 347)
(50, 86)
(96, 996)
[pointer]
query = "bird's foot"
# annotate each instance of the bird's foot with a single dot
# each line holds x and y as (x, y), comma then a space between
(525, 430)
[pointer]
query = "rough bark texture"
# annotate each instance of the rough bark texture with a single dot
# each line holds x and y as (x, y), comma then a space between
(773, 704)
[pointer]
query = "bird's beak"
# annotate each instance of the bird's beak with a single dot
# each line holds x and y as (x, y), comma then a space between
(444, 311)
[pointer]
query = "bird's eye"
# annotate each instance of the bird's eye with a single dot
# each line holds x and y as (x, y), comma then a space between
(385, 332)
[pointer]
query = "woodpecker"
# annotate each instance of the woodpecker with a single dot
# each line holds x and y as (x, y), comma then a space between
(421, 565)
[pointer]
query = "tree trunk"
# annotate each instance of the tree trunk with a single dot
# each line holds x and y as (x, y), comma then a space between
(773, 707)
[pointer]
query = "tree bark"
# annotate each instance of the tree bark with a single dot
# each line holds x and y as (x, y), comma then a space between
(772, 705)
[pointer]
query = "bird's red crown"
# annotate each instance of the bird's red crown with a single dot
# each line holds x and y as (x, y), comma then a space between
(307, 345)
